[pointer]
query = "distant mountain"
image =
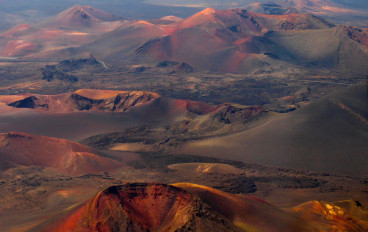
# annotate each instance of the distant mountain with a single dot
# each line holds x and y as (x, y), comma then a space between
(317, 6)
(345, 12)
(271, 8)
(227, 41)
(73, 27)
(240, 41)
(224, 41)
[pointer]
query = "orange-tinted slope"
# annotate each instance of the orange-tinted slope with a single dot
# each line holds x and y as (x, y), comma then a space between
(247, 22)
(191, 207)
(232, 40)
(340, 216)
(249, 213)
(21, 149)
(141, 207)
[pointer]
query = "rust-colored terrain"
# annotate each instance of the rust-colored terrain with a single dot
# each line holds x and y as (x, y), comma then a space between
(21, 149)
(215, 116)
(190, 207)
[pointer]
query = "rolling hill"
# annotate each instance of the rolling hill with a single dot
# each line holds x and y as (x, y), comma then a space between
(21, 149)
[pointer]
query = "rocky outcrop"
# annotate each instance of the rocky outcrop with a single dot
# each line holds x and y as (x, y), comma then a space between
(229, 113)
(144, 207)
(341, 216)
(86, 100)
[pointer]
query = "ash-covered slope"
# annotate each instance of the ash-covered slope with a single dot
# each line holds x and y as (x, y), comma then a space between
(328, 135)
(21, 149)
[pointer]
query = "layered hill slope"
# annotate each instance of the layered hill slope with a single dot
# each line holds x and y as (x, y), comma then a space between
(21, 149)
(328, 135)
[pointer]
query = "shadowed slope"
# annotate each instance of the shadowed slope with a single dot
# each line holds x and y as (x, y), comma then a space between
(249, 213)
(328, 135)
